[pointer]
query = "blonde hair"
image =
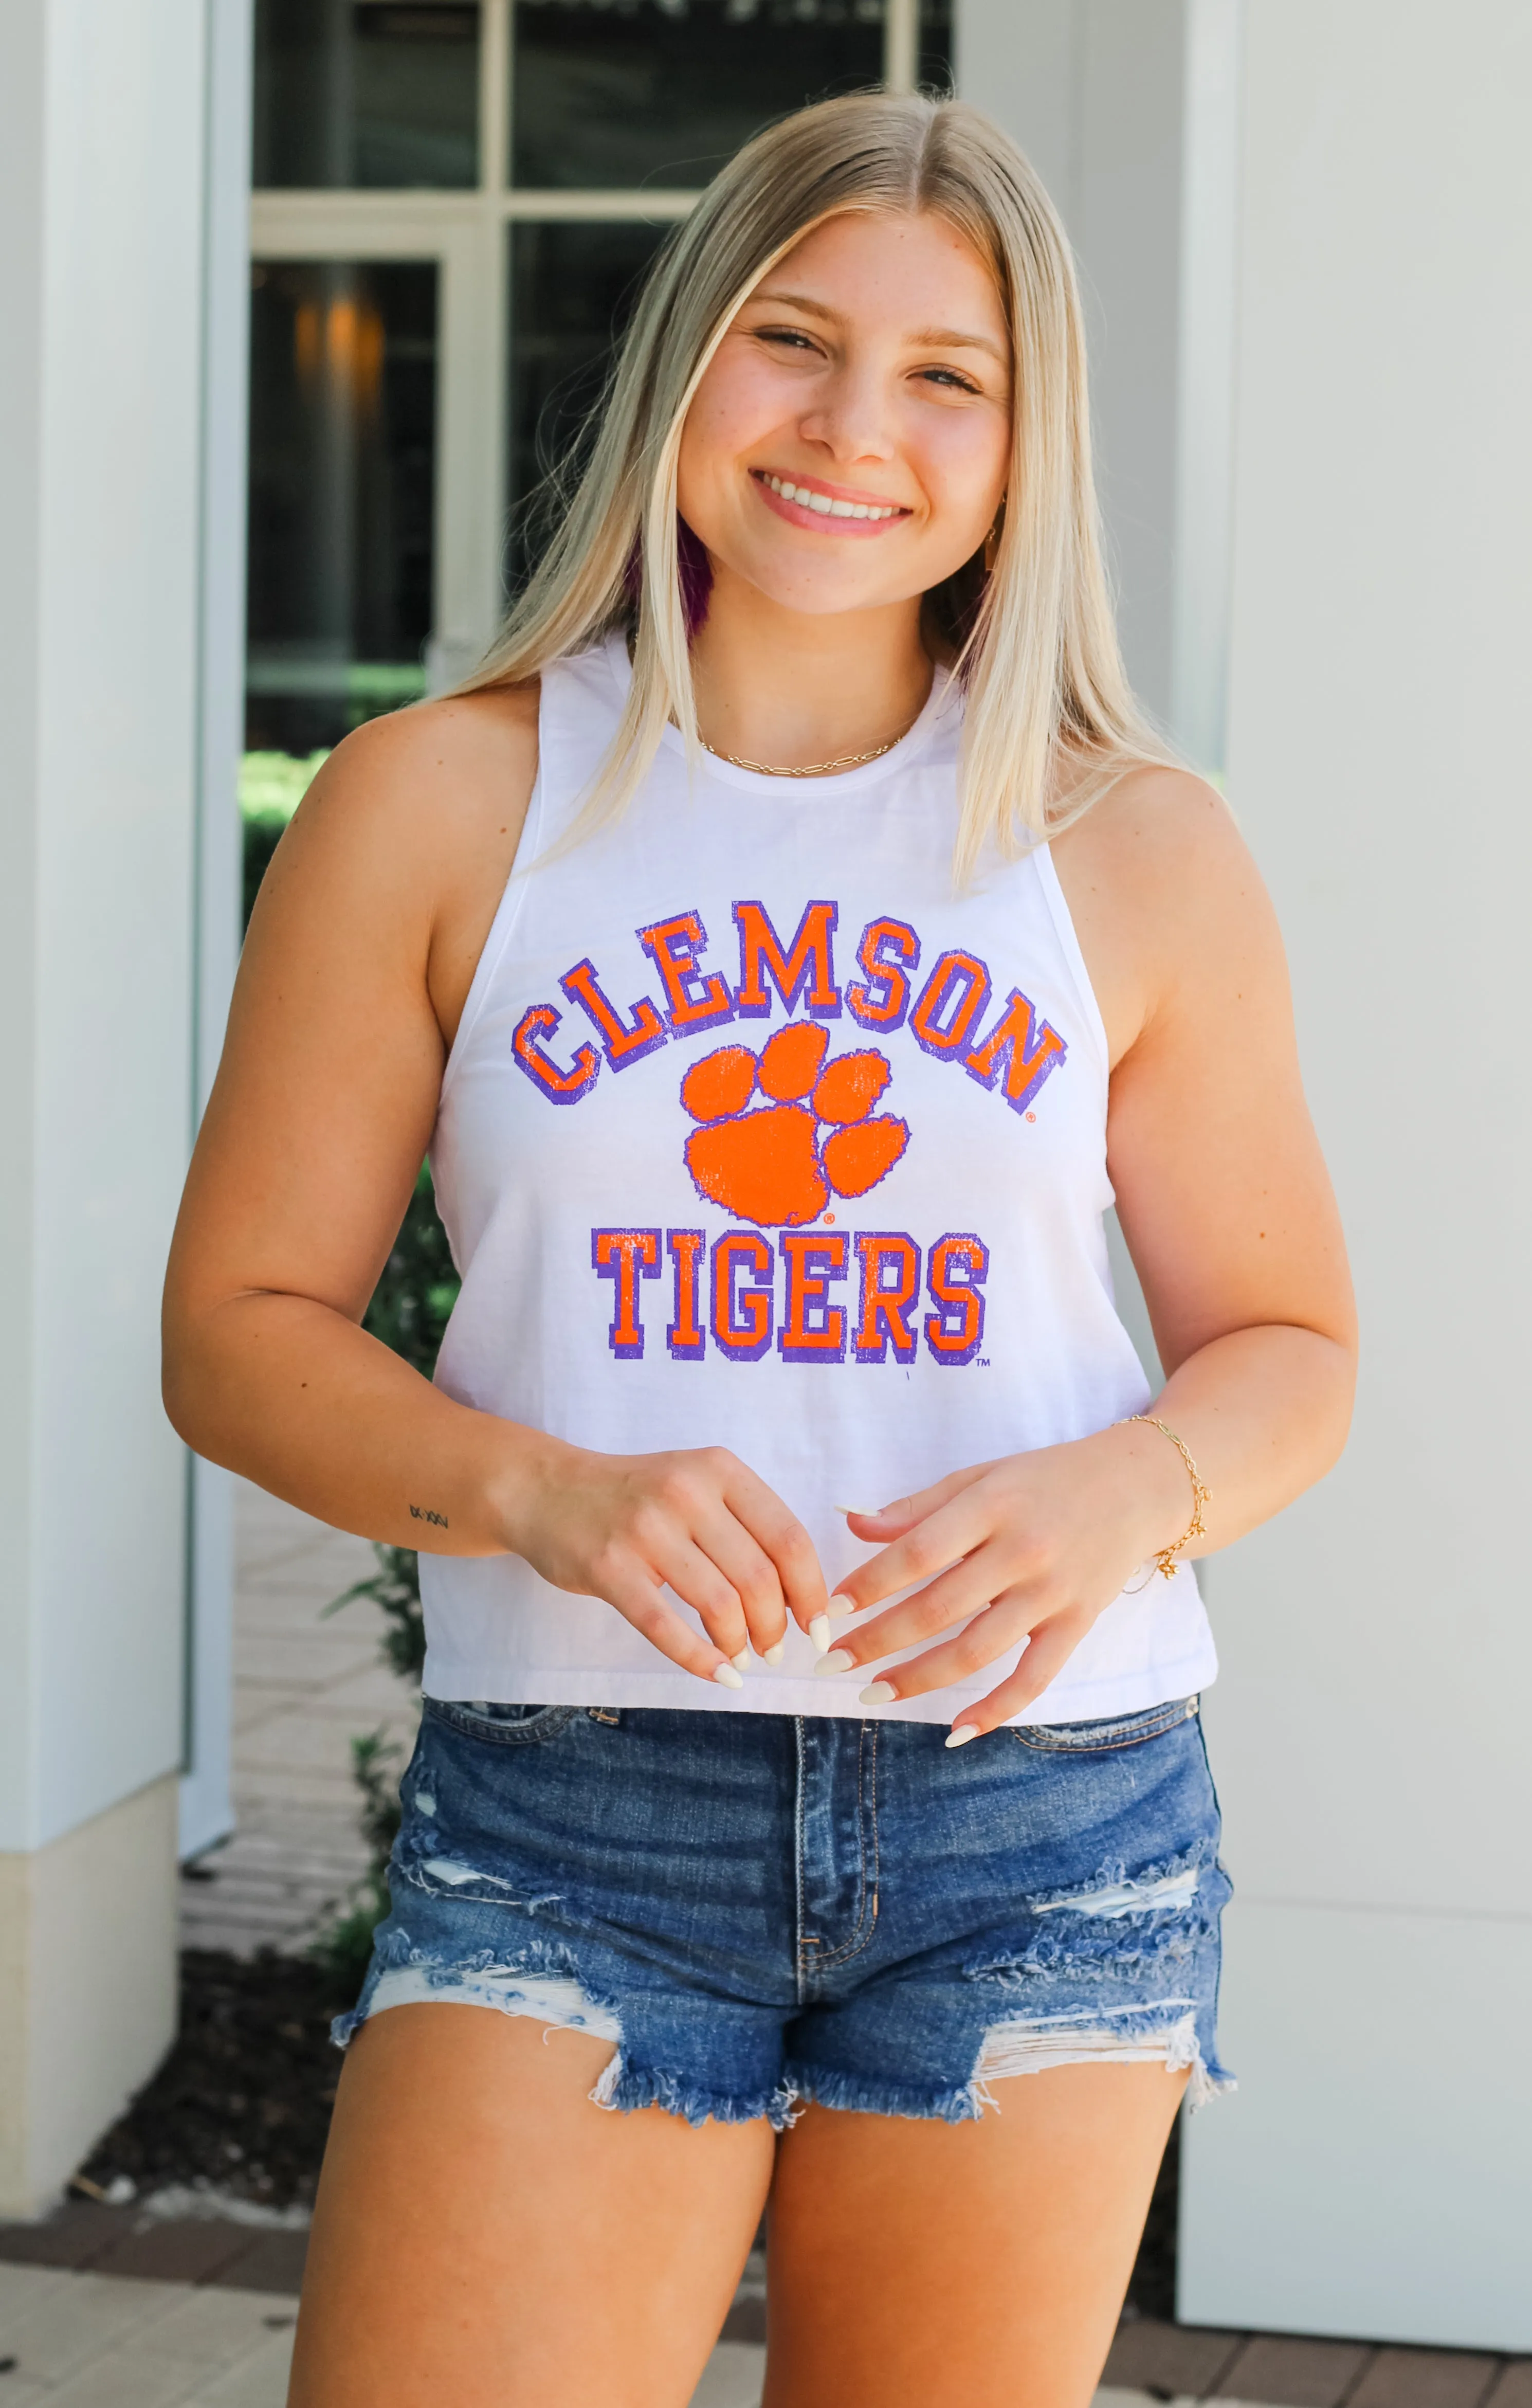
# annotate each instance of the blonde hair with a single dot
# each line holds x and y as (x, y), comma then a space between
(1049, 720)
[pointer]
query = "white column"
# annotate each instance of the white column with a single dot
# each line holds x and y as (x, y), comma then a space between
(206, 1808)
(1374, 2175)
(102, 109)
(1127, 109)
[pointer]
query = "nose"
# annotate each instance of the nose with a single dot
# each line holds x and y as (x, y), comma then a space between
(850, 419)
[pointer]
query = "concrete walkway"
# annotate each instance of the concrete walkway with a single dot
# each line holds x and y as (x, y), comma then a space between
(304, 1689)
(103, 2341)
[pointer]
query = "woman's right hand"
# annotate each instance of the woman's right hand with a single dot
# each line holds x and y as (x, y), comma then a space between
(624, 1527)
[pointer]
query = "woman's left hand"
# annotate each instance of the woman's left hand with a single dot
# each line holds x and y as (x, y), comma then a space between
(1029, 1547)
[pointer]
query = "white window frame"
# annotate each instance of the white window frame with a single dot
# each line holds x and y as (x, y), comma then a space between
(463, 233)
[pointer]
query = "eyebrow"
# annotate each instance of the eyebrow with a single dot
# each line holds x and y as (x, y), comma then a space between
(934, 337)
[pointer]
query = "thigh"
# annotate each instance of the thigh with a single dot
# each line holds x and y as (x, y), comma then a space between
(915, 2264)
(485, 2237)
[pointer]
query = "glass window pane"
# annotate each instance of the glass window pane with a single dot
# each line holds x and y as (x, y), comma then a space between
(572, 289)
(342, 469)
(366, 94)
(934, 70)
(664, 90)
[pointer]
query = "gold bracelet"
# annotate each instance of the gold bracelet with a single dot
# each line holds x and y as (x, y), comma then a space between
(1195, 1528)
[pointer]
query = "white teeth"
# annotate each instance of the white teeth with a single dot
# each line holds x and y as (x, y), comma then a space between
(823, 506)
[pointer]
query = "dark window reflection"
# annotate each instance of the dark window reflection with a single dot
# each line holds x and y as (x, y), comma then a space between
(367, 94)
(664, 91)
(342, 450)
(572, 290)
(935, 69)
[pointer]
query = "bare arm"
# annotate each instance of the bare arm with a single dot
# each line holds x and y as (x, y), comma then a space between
(1228, 1213)
(360, 955)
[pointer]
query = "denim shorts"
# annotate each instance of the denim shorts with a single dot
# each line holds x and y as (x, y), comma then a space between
(763, 1910)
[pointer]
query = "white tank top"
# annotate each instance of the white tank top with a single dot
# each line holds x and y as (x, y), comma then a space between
(756, 1132)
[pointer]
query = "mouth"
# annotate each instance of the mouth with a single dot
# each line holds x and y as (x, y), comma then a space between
(828, 509)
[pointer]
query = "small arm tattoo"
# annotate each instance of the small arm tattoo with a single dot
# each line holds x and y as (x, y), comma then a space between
(424, 1514)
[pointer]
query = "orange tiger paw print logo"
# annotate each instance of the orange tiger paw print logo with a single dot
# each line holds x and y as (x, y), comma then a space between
(767, 1162)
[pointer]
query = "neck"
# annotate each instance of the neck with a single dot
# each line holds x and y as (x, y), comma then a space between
(787, 689)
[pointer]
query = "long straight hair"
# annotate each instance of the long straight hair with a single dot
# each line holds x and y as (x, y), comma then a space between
(1050, 718)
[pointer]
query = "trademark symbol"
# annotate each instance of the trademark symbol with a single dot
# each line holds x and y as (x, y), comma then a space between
(984, 1362)
(1032, 1116)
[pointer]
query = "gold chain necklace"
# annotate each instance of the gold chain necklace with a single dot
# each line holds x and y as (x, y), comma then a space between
(814, 768)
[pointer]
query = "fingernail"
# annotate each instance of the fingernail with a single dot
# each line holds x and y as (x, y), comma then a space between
(773, 1655)
(819, 1631)
(741, 1661)
(857, 1509)
(961, 1733)
(878, 1693)
(726, 1677)
(837, 1661)
(841, 1609)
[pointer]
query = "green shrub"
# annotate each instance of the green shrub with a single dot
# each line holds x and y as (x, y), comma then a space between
(271, 787)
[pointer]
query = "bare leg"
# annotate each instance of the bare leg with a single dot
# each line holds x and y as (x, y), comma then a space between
(914, 2265)
(485, 2238)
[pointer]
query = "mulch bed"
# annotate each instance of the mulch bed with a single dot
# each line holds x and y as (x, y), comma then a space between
(242, 2102)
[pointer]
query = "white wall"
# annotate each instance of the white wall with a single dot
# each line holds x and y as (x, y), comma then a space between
(1375, 2174)
(102, 123)
(1127, 110)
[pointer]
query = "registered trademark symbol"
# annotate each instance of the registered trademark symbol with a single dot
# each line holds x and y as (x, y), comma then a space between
(1032, 1116)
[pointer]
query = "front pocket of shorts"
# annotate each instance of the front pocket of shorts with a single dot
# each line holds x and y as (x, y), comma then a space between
(1117, 1730)
(502, 1727)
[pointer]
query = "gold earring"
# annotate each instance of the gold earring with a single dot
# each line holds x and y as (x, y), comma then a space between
(992, 541)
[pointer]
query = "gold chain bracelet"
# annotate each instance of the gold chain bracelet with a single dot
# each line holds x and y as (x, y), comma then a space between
(1196, 1529)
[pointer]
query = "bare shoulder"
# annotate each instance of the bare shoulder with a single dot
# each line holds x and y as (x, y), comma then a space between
(1164, 895)
(426, 790)
(406, 838)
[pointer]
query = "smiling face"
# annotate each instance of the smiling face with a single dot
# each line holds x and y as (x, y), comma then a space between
(849, 444)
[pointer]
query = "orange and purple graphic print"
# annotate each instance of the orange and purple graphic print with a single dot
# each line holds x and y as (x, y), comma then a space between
(767, 1162)
(781, 1130)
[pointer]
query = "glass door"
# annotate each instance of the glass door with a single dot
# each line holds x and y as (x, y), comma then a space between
(455, 201)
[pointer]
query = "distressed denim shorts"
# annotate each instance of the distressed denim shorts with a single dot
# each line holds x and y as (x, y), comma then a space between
(762, 1910)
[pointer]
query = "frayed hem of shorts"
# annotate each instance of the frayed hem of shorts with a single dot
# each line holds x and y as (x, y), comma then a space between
(624, 2087)
(545, 1992)
(1131, 2036)
(851, 2094)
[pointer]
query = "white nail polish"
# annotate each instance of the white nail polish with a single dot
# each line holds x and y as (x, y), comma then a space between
(819, 1631)
(878, 1693)
(962, 1733)
(841, 1609)
(856, 1509)
(837, 1661)
(726, 1677)
(773, 1655)
(741, 1661)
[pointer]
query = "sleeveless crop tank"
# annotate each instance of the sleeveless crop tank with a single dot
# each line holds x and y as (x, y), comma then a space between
(756, 1133)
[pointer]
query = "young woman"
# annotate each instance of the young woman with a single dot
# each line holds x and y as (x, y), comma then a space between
(788, 947)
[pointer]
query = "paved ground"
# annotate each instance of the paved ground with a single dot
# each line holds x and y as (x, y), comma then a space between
(304, 1689)
(104, 2341)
